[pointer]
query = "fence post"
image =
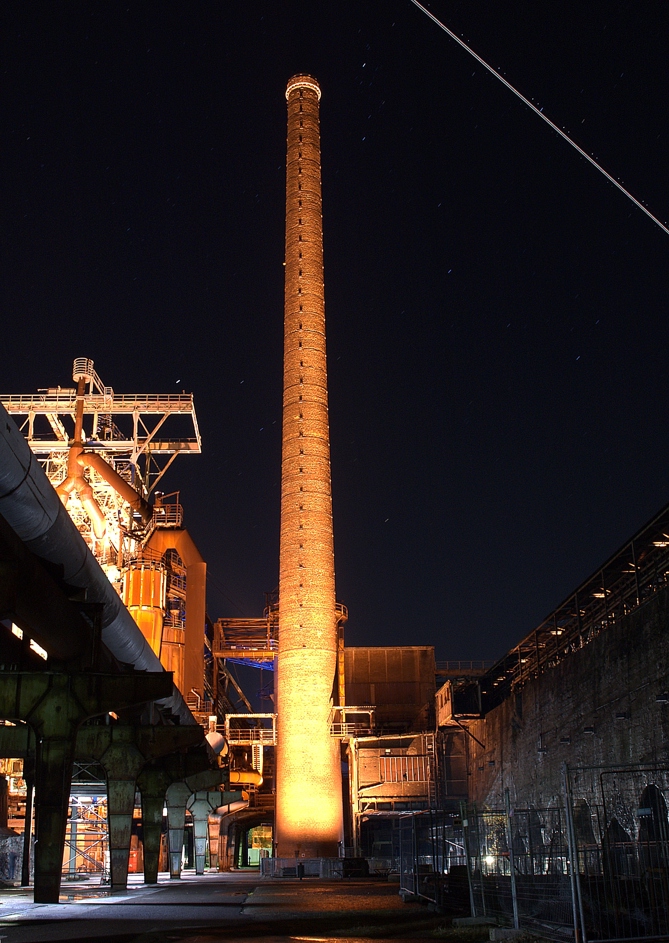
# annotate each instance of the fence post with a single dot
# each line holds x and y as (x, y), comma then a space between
(465, 835)
(414, 854)
(576, 900)
(509, 841)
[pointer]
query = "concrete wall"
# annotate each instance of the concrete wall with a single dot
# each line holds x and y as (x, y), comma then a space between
(598, 707)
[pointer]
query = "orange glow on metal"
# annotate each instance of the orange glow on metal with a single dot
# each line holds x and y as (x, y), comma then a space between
(309, 819)
(144, 595)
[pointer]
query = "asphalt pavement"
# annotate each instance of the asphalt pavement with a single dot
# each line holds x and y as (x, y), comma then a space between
(215, 907)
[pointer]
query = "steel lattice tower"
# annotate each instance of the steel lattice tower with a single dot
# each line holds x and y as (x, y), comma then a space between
(309, 820)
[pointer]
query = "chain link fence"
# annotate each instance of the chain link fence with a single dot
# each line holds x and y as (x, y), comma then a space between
(519, 869)
(595, 867)
(432, 859)
(621, 836)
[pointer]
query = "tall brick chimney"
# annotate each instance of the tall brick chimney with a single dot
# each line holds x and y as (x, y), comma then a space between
(309, 821)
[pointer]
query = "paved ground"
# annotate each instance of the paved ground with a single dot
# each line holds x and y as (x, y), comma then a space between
(221, 907)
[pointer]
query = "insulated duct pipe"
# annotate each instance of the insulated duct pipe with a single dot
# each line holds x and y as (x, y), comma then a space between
(231, 807)
(77, 460)
(120, 485)
(245, 777)
(75, 481)
(30, 505)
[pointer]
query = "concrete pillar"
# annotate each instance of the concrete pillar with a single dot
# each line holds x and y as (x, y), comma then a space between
(214, 826)
(55, 757)
(55, 703)
(152, 826)
(153, 782)
(176, 798)
(29, 778)
(244, 846)
(201, 805)
(200, 836)
(120, 807)
(122, 763)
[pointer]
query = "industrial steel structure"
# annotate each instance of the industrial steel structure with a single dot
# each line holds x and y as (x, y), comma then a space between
(105, 454)
(89, 685)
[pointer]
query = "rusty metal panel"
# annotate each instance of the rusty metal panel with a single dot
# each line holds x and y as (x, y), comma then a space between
(399, 681)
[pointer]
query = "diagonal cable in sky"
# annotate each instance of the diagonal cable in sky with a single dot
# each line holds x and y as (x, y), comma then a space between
(538, 111)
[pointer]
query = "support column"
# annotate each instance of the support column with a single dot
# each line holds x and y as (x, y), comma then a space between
(214, 826)
(200, 836)
(29, 778)
(55, 703)
(120, 807)
(201, 805)
(244, 850)
(177, 796)
(122, 763)
(55, 758)
(153, 783)
(152, 826)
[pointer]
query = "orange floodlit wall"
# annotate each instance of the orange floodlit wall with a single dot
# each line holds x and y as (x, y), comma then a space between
(309, 819)
(192, 654)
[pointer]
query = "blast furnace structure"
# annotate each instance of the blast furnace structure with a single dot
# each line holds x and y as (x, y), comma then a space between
(309, 820)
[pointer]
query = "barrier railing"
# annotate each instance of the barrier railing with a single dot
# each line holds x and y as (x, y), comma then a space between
(262, 730)
(593, 867)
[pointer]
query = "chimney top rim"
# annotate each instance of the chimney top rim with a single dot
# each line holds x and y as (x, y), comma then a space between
(303, 81)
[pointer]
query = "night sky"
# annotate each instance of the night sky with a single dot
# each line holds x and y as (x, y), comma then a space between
(497, 329)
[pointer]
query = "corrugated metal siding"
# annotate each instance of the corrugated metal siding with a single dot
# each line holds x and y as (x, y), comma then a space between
(399, 681)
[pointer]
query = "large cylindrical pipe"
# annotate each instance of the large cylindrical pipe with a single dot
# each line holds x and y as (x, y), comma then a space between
(75, 481)
(309, 819)
(120, 485)
(32, 508)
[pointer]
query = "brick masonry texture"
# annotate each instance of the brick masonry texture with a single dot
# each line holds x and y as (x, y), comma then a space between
(598, 707)
(309, 807)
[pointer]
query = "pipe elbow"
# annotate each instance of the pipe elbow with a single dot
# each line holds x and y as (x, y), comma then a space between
(120, 485)
(94, 512)
(65, 488)
(217, 742)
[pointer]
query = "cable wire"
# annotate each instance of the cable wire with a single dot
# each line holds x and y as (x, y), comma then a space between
(539, 112)
(217, 586)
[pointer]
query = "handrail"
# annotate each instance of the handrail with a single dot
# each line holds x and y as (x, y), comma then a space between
(245, 735)
(467, 667)
(99, 402)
